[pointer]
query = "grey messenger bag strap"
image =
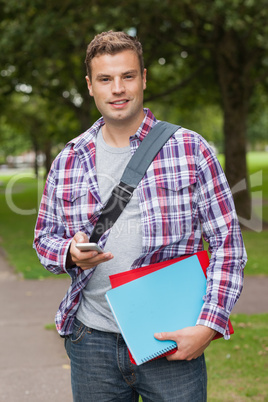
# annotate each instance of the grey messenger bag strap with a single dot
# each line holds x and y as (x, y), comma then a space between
(132, 175)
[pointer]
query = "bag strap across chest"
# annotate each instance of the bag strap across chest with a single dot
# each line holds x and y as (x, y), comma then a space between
(132, 175)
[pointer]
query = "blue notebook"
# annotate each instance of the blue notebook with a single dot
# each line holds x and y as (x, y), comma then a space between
(165, 300)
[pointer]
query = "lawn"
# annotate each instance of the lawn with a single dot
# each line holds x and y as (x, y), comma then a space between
(237, 369)
(16, 229)
(258, 181)
(19, 208)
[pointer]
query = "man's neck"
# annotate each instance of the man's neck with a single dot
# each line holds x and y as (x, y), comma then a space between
(118, 135)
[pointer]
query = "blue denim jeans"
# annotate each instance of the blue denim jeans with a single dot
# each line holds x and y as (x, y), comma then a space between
(101, 371)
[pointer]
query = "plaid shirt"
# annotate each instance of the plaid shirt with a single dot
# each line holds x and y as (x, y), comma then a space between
(183, 196)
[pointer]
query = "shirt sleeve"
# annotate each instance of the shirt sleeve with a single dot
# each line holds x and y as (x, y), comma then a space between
(50, 241)
(220, 228)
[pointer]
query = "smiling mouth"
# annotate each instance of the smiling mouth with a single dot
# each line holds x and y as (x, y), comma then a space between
(121, 102)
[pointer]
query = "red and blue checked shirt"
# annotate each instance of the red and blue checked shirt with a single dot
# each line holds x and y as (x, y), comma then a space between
(183, 196)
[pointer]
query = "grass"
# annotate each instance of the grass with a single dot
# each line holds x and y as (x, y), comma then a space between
(50, 327)
(16, 230)
(258, 181)
(256, 246)
(237, 369)
(258, 161)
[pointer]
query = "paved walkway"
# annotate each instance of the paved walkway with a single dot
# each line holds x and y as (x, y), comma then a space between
(33, 363)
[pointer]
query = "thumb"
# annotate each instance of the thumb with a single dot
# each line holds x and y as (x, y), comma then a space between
(164, 336)
(80, 237)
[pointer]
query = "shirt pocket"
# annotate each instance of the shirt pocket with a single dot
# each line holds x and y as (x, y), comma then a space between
(172, 210)
(73, 207)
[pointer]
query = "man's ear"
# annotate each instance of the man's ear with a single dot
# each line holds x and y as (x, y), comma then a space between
(144, 78)
(89, 85)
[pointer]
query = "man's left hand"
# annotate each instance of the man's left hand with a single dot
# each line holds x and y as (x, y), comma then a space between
(191, 341)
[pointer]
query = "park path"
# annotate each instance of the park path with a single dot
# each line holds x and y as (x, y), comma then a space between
(33, 363)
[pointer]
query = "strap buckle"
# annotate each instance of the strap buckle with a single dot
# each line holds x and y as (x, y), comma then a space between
(123, 194)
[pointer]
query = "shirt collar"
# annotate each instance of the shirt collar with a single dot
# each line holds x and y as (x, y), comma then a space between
(83, 139)
(147, 124)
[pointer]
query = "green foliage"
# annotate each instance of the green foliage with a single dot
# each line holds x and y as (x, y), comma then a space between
(11, 140)
(258, 120)
(186, 45)
(44, 46)
(36, 125)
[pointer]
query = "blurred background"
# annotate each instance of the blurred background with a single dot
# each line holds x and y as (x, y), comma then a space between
(207, 65)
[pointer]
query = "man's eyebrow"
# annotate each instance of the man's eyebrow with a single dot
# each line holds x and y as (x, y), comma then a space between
(103, 75)
(130, 72)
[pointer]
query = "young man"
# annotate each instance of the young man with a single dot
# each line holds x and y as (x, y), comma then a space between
(183, 196)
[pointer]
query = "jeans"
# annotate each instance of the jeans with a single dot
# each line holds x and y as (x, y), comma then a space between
(101, 371)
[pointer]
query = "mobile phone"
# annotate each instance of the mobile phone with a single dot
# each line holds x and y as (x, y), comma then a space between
(89, 247)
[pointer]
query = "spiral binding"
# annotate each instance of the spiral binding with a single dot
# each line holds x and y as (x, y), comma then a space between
(158, 354)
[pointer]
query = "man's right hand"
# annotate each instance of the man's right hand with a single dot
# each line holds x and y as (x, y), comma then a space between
(84, 259)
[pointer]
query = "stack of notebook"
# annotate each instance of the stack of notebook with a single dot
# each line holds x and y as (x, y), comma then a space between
(161, 297)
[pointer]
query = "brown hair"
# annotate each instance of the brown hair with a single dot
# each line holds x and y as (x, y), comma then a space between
(111, 43)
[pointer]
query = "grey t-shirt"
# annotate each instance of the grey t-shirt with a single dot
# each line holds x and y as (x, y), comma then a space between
(124, 240)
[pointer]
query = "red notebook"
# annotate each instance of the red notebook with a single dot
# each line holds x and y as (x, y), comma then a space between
(127, 276)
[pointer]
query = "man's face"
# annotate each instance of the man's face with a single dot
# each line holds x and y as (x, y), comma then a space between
(117, 86)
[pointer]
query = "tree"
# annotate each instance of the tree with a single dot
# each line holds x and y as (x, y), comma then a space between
(225, 43)
(210, 52)
(34, 126)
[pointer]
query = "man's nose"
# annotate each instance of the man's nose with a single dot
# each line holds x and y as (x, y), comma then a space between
(118, 86)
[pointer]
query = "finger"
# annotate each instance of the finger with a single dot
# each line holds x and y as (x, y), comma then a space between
(175, 356)
(94, 261)
(99, 258)
(163, 336)
(93, 258)
(187, 354)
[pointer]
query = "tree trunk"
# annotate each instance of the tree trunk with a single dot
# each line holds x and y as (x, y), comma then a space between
(235, 95)
(36, 150)
(48, 156)
(235, 158)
